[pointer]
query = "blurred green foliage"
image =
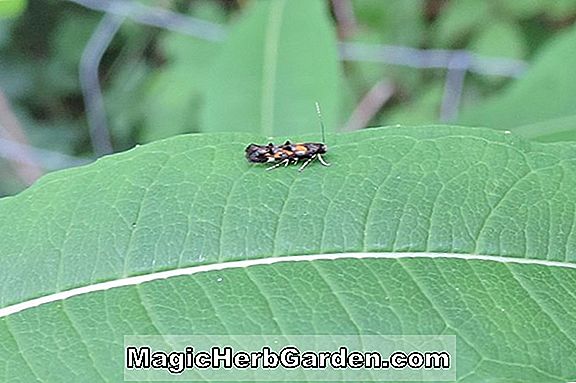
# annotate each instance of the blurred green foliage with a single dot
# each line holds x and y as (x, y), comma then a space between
(12, 8)
(545, 95)
(277, 58)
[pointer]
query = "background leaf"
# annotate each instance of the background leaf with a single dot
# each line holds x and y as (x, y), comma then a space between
(546, 93)
(500, 39)
(194, 200)
(172, 105)
(522, 8)
(276, 63)
(459, 19)
(395, 20)
(423, 109)
(176, 92)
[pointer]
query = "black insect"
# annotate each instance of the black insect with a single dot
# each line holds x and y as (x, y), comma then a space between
(289, 153)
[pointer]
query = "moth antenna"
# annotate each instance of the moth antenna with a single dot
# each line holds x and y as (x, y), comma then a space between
(321, 121)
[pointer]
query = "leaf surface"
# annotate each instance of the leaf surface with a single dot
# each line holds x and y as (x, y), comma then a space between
(479, 199)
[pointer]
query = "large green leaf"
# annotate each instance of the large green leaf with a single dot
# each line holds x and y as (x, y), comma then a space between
(546, 95)
(433, 230)
(278, 61)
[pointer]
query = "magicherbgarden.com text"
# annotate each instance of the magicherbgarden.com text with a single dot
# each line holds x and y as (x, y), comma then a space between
(288, 357)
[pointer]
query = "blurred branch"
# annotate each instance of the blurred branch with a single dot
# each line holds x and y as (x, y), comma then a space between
(454, 86)
(372, 102)
(17, 152)
(158, 17)
(431, 58)
(21, 158)
(345, 18)
(388, 54)
(90, 82)
(457, 62)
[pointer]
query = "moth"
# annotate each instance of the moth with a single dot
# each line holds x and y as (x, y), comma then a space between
(289, 153)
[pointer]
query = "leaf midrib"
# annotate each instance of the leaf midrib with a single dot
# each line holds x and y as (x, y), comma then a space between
(270, 62)
(139, 279)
